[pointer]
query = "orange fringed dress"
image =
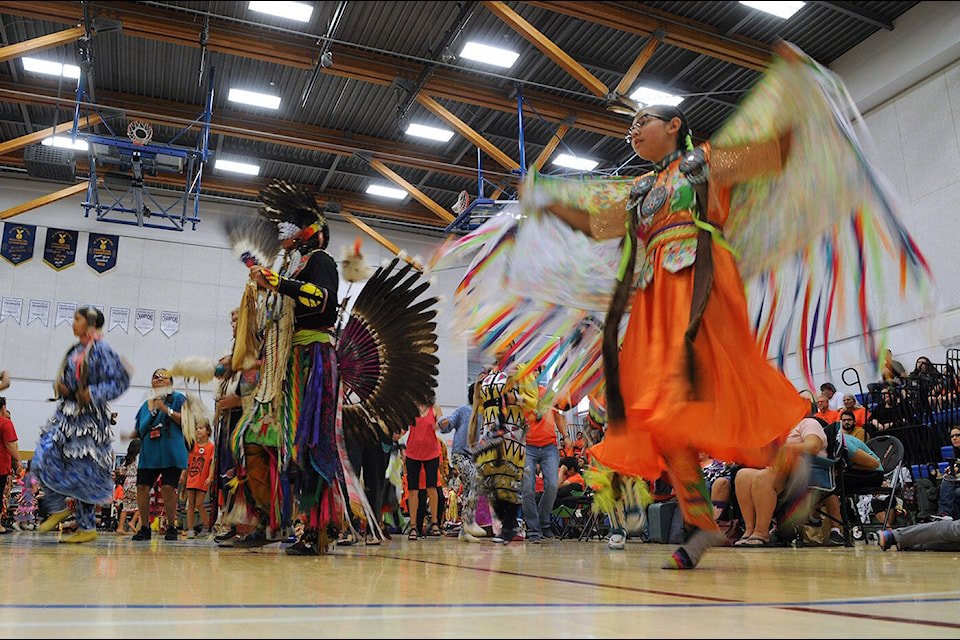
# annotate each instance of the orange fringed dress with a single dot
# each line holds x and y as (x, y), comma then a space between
(743, 404)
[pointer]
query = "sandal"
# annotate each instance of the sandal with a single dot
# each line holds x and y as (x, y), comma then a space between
(413, 535)
(434, 530)
(346, 539)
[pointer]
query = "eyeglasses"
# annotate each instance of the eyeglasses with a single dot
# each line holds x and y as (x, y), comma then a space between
(160, 376)
(954, 435)
(643, 121)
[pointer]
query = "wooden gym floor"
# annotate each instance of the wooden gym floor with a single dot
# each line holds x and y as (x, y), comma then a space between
(440, 587)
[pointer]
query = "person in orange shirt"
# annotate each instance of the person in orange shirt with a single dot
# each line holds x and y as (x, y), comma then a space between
(824, 412)
(578, 445)
(541, 450)
(199, 475)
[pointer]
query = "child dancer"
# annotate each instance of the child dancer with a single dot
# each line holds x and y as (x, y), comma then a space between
(128, 473)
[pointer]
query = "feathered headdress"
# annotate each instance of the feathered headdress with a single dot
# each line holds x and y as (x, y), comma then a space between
(294, 210)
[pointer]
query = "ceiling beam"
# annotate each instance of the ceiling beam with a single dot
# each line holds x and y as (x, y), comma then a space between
(37, 136)
(679, 32)
(357, 64)
(36, 203)
(634, 71)
(42, 43)
(467, 132)
(863, 15)
(548, 47)
(379, 238)
(418, 195)
(247, 127)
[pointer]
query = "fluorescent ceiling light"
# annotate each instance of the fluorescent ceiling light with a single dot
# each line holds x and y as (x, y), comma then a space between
(573, 162)
(386, 192)
(237, 167)
(431, 133)
(292, 10)
(645, 96)
(254, 98)
(780, 9)
(489, 55)
(49, 68)
(65, 142)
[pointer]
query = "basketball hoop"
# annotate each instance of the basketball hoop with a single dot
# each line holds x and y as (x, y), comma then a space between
(463, 200)
(140, 132)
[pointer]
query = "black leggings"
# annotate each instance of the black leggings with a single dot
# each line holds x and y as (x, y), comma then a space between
(430, 469)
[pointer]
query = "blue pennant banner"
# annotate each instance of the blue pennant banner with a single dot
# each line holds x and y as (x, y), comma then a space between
(60, 250)
(18, 241)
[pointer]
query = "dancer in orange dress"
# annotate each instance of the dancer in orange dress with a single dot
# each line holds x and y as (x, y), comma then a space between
(780, 198)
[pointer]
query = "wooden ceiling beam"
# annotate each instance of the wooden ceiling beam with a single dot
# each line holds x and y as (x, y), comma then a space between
(634, 71)
(38, 136)
(248, 128)
(467, 132)
(354, 64)
(547, 47)
(42, 201)
(49, 41)
(680, 32)
(418, 195)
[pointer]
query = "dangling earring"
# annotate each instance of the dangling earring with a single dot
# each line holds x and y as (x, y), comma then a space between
(688, 142)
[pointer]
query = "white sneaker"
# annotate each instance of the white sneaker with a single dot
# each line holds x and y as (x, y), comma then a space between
(616, 541)
(475, 530)
(190, 534)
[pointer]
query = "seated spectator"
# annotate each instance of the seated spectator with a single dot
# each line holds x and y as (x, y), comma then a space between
(892, 371)
(566, 451)
(850, 425)
(948, 506)
(824, 412)
(569, 479)
(863, 469)
(889, 413)
(859, 411)
(830, 391)
(578, 444)
(757, 490)
(717, 476)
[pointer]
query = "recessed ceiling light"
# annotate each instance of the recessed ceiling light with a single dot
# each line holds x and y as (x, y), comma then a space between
(46, 67)
(386, 192)
(65, 142)
(237, 167)
(573, 162)
(490, 55)
(254, 98)
(431, 133)
(780, 9)
(292, 10)
(645, 96)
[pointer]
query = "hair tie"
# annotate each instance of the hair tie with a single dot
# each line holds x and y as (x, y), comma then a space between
(688, 141)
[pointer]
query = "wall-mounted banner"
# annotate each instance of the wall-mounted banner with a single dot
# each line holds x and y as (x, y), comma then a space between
(145, 320)
(169, 322)
(120, 317)
(60, 250)
(65, 311)
(39, 310)
(102, 252)
(18, 241)
(11, 308)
